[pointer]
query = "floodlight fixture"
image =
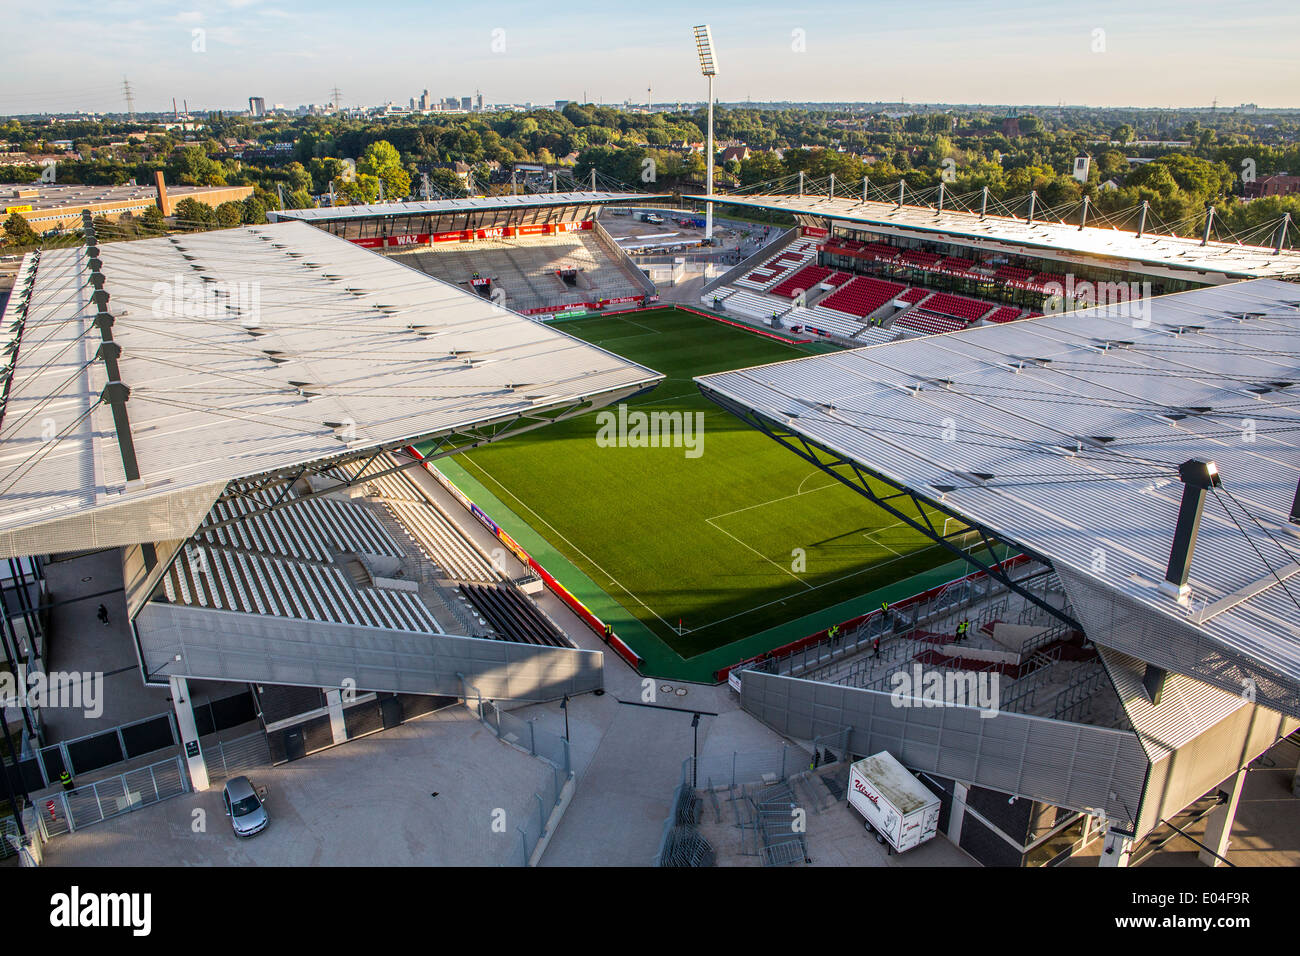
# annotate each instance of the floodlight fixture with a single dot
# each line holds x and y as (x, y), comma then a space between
(704, 46)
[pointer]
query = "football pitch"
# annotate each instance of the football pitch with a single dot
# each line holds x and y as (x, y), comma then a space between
(703, 544)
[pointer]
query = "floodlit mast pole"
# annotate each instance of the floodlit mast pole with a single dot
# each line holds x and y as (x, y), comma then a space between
(708, 67)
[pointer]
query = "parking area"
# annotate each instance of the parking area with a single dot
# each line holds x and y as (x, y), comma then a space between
(368, 803)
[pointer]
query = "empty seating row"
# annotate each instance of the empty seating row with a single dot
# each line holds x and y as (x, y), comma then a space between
(397, 486)
(215, 578)
(807, 279)
(876, 335)
(824, 321)
(957, 306)
(309, 528)
(1016, 273)
(526, 268)
(512, 616)
(915, 295)
(1008, 313)
(755, 306)
(862, 296)
(917, 257)
(442, 542)
(929, 323)
(783, 264)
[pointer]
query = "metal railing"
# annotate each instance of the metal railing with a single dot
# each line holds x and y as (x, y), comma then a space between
(547, 746)
(71, 810)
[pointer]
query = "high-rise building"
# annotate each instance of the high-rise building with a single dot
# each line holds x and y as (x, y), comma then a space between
(256, 106)
(424, 100)
(465, 103)
(480, 102)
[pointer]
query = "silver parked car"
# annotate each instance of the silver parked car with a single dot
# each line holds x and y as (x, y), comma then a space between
(245, 806)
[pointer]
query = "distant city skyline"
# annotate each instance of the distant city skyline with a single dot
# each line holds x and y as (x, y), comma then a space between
(216, 55)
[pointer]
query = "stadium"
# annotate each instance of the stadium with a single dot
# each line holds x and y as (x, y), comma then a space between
(363, 481)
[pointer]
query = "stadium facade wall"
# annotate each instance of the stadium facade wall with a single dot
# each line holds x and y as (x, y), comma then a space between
(251, 648)
(1079, 766)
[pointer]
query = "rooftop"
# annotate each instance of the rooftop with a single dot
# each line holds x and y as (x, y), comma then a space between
(75, 197)
(481, 203)
(1062, 435)
(251, 352)
(1172, 252)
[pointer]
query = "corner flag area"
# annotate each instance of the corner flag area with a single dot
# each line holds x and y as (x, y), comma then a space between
(705, 536)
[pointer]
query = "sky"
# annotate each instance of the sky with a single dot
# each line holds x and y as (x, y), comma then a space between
(64, 55)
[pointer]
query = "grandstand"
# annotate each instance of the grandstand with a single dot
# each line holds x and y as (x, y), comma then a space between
(1117, 695)
(265, 530)
(535, 274)
(539, 254)
(927, 271)
(1006, 254)
(841, 302)
(862, 296)
(785, 263)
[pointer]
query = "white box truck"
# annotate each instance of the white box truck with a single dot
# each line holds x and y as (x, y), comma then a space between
(897, 807)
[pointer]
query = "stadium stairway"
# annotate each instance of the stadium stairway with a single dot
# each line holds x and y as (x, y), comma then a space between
(513, 617)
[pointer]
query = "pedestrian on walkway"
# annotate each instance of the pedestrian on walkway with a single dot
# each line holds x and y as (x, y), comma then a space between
(962, 630)
(102, 614)
(65, 779)
(875, 648)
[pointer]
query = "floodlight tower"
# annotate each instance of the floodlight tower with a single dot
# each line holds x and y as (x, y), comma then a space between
(709, 67)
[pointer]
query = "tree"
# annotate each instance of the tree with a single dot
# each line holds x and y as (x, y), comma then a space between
(18, 231)
(447, 182)
(254, 211)
(230, 214)
(152, 221)
(382, 161)
(191, 166)
(1122, 134)
(192, 214)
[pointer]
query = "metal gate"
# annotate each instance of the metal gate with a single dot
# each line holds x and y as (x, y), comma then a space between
(95, 802)
(232, 757)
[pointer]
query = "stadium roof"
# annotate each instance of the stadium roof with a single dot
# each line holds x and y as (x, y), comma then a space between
(1227, 259)
(1062, 435)
(482, 203)
(252, 352)
(46, 198)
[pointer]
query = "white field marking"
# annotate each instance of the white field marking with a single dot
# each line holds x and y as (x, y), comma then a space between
(709, 521)
(615, 581)
(773, 501)
(637, 324)
(652, 398)
(812, 474)
(703, 627)
(871, 536)
(606, 343)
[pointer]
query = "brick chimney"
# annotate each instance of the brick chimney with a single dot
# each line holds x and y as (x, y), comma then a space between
(164, 204)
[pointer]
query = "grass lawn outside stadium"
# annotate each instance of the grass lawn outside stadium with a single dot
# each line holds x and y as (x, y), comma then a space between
(697, 556)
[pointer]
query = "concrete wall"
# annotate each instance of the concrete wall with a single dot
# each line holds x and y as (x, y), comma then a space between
(232, 646)
(1069, 765)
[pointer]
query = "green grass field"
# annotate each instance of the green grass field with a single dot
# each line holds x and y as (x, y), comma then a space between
(710, 541)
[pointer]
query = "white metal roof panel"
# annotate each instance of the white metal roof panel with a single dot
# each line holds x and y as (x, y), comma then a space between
(317, 349)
